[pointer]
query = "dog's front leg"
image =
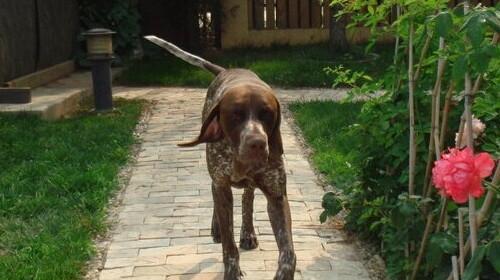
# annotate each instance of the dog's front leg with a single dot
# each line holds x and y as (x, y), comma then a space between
(273, 185)
(279, 215)
(223, 203)
(274, 188)
(248, 238)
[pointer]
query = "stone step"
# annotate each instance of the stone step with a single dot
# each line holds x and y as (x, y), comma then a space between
(58, 99)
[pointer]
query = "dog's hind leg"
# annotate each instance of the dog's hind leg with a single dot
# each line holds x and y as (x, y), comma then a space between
(215, 231)
(248, 238)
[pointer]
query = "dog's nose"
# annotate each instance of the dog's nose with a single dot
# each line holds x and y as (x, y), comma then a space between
(257, 144)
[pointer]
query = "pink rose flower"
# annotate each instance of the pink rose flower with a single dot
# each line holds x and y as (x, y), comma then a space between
(459, 173)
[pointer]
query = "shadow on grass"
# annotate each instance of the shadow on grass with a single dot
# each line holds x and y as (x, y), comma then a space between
(280, 66)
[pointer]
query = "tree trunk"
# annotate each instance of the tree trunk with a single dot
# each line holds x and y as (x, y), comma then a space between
(338, 38)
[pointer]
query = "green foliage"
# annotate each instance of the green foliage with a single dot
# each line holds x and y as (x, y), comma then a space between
(332, 205)
(55, 181)
(474, 266)
(378, 207)
(493, 255)
(347, 77)
(120, 16)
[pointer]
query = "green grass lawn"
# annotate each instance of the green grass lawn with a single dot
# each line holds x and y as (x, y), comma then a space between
(55, 181)
(324, 125)
(280, 66)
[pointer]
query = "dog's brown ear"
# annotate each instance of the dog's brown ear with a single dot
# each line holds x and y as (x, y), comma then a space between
(211, 130)
(275, 142)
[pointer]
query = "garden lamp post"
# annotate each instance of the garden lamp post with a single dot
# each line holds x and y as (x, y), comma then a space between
(100, 54)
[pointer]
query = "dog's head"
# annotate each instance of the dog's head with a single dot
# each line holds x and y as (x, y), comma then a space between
(249, 118)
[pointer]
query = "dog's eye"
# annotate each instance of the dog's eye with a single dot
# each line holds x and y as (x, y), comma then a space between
(265, 115)
(238, 115)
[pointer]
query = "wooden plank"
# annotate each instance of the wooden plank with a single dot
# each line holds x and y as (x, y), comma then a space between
(44, 76)
(18, 44)
(58, 29)
(326, 15)
(305, 21)
(293, 13)
(315, 13)
(258, 13)
(281, 14)
(270, 21)
(250, 14)
(15, 95)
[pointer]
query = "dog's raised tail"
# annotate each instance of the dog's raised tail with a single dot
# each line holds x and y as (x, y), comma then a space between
(188, 57)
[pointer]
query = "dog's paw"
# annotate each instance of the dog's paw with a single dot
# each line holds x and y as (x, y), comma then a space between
(286, 266)
(248, 241)
(232, 270)
(285, 272)
(216, 234)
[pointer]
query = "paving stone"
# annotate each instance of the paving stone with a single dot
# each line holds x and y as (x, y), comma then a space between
(167, 269)
(169, 251)
(135, 261)
(194, 258)
(116, 273)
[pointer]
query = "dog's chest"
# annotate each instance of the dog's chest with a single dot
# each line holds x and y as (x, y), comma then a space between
(222, 167)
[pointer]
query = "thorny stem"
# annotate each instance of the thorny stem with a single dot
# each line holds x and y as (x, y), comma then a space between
(442, 213)
(396, 48)
(434, 144)
(423, 244)
(437, 93)
(475, 89)
(411, 108)
(485, 209)
(454, 267)
(461, 240)
(446, 110)
(425, 48)
(470, 144)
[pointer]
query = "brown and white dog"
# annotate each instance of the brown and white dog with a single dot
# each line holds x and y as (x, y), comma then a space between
(241, 126)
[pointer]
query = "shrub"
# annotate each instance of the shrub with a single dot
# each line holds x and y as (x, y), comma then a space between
(380, 207)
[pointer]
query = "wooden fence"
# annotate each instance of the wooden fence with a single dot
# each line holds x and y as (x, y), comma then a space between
(35, 34)
(284, 14)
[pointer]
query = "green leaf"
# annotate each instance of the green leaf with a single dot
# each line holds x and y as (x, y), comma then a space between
(434, 252)
(480, 61)
(494, 255)
(447, 242)
(480, 58)
(444, 23)
(459, 68)
(474, 266)
(474, 30)
(371, 10)
(323, 216)
(332, 204)
(493, 21)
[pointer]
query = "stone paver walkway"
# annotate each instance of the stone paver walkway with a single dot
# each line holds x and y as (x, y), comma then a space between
(163, 230)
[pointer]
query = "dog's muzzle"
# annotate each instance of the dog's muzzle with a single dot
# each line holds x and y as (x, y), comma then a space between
(253, 144)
